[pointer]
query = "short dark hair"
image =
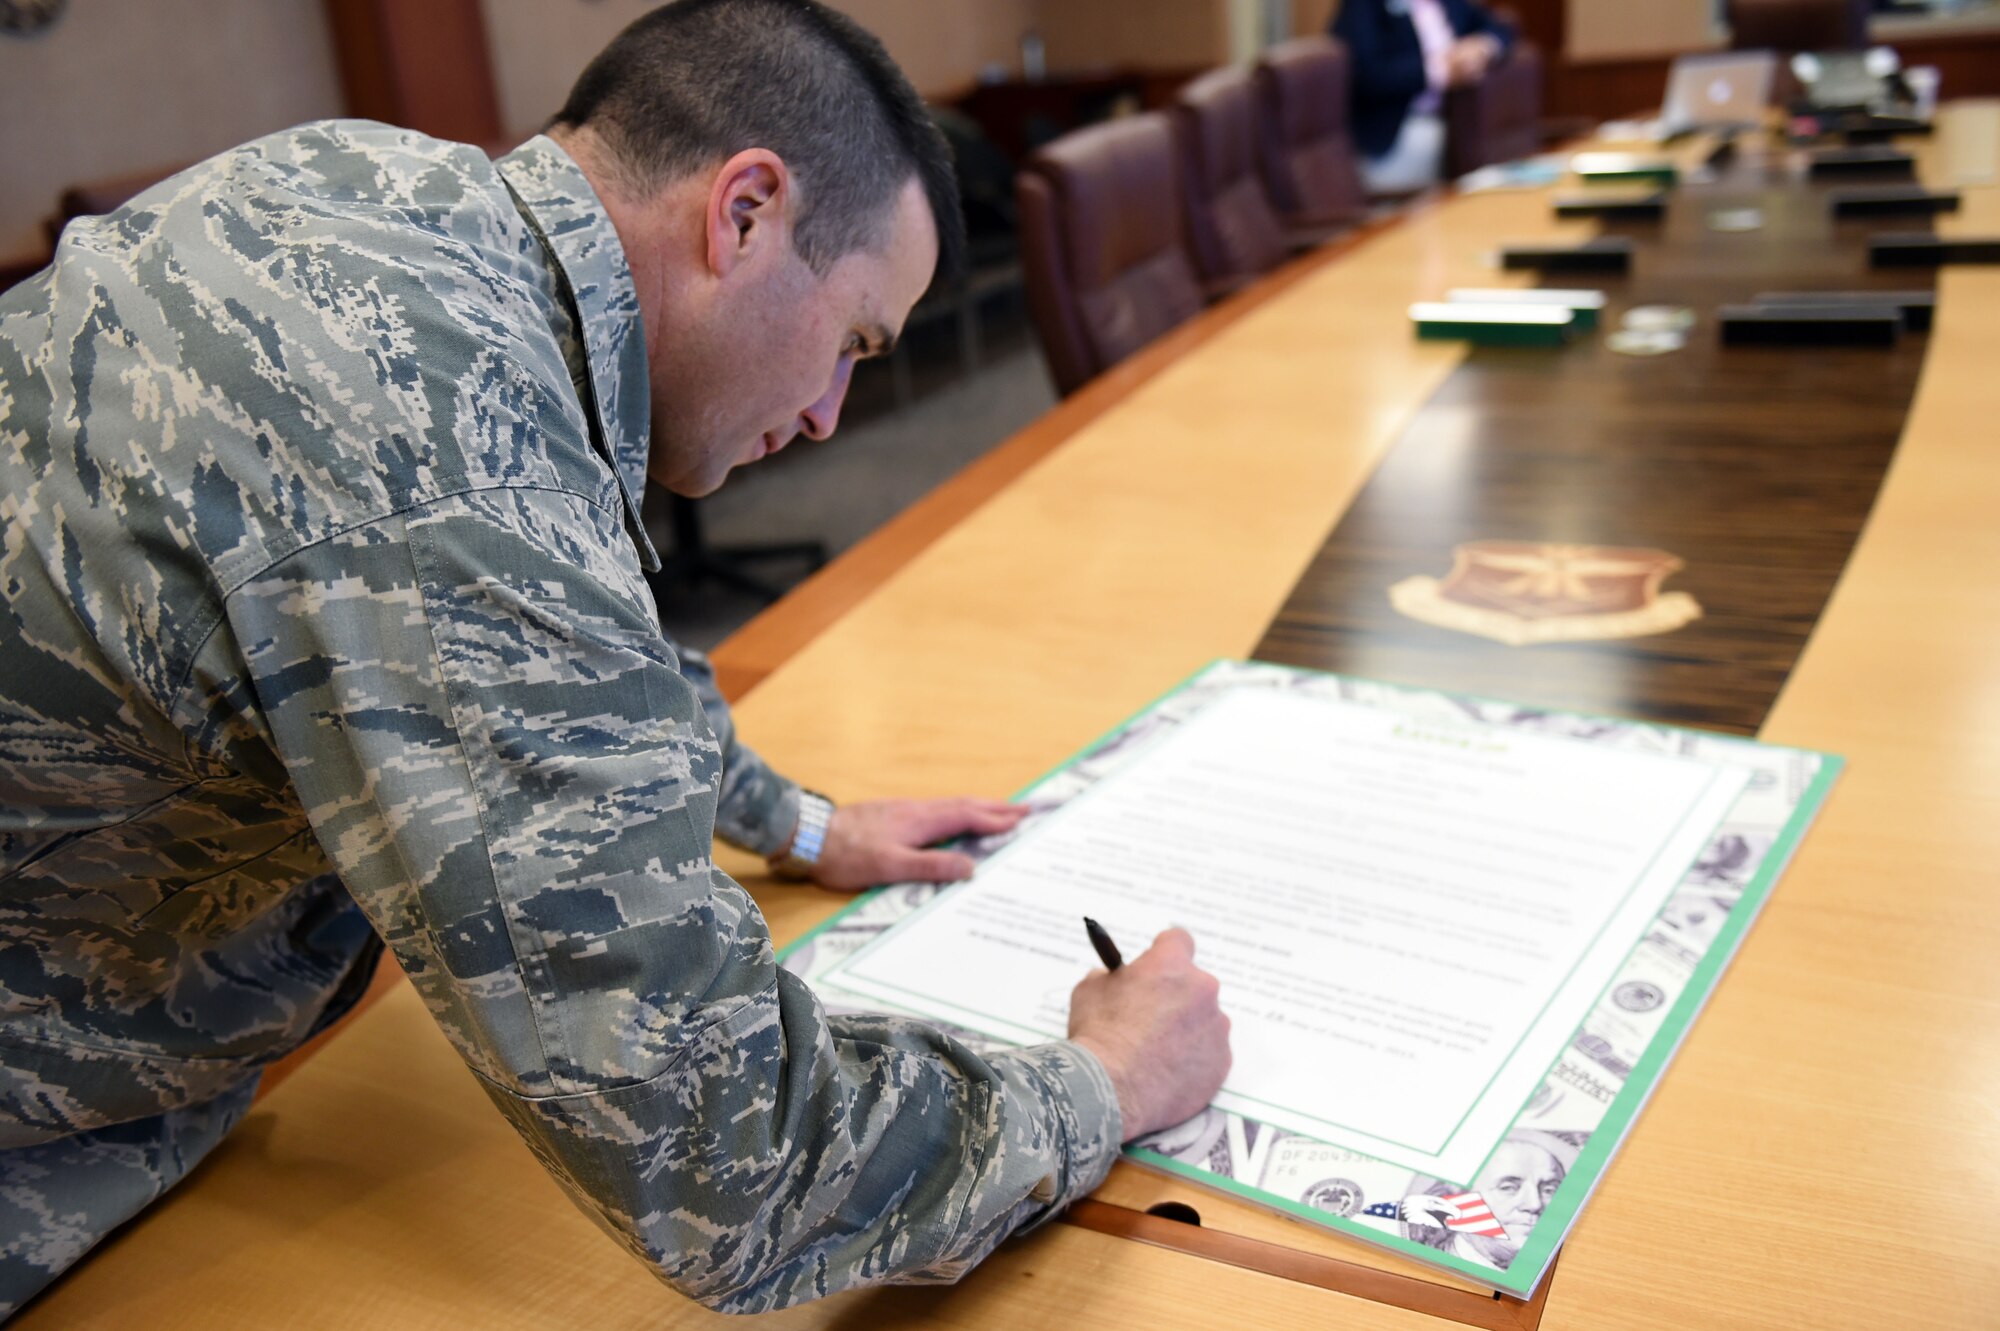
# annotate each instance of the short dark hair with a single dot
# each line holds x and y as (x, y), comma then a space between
(696, 81)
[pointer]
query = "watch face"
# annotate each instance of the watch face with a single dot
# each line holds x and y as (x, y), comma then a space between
(22, 18)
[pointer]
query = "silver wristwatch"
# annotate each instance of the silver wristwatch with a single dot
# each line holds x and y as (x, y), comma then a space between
(815, 816)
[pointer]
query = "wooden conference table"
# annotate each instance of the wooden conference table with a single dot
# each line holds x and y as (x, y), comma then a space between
(1824, 1150)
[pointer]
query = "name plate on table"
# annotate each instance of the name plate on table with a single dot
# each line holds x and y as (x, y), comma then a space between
(1623, 168)
(1921, 249)
(1585, 307)
(1459, 940)
(1868, 127)
(1814, 325)
(1514, 325)
(1918, 308)
(1606, 254)
(1861, 161)
(1643, 205)
(1885, 200)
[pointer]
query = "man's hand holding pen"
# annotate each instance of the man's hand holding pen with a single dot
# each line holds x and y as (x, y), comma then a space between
(1155, 1025)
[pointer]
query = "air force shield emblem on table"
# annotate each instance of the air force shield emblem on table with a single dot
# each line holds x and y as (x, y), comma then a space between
(1527, 592)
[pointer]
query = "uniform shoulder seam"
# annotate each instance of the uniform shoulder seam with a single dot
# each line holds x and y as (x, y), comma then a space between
(178, 693)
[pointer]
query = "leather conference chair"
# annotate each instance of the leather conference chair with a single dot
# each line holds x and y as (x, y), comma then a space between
(1791, 26)
(1104, 246)
(1499, 118)
(1233, 231)
(1305, 145)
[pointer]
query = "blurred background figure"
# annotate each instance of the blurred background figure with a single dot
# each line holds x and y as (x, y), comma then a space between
(1406, 54)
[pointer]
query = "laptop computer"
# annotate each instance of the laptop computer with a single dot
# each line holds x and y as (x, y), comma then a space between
(1723, 90)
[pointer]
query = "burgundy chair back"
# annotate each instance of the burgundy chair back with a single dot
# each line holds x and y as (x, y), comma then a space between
(1307, 149)
(1103, 246)
(1499, 118)
(1232, 229)
(1798, 25)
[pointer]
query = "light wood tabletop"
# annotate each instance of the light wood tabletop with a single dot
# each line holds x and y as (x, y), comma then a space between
(1818, 1154)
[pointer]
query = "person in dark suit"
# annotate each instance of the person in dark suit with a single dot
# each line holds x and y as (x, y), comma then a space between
(1405, 54)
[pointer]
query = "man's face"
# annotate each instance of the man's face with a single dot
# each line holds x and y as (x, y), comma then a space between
(1518, 1183)
(772, 354)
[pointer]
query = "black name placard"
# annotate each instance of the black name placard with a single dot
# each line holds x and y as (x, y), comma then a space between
(1921, 249)
(1809, 325)
(1606, 254)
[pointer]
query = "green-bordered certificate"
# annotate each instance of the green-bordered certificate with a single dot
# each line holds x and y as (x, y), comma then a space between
(1458, 939)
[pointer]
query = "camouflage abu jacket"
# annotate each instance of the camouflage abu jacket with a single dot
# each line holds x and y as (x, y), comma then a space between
(324, 619)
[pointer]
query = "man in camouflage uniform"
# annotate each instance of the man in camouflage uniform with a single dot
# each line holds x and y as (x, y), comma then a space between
(326, 625)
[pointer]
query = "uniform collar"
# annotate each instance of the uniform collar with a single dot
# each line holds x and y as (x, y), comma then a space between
(559, 203)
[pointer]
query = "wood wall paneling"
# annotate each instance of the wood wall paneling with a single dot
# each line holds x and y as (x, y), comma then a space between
(423, 66)
(1602, 89)
(1605, 89)
(1969, 64)
(1622, 30)
(1158, 34)
(1543, 22)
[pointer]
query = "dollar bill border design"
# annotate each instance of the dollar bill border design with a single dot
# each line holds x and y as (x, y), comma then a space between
(1586, 1103)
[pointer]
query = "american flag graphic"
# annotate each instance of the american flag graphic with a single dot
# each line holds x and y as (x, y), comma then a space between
(1462, 1212)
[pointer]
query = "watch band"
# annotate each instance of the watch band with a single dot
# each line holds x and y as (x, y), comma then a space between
(815, 816)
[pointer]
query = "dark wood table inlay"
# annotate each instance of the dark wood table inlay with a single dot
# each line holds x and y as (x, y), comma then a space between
(1755, 465)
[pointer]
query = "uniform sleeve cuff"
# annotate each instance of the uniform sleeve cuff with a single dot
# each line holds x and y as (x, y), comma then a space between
(1086, 1122)
(774, 825)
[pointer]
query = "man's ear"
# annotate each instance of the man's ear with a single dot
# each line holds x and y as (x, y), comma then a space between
(749, 209)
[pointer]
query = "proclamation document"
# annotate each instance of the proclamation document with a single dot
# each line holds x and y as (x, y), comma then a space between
(1409, 918)
(1459, 938)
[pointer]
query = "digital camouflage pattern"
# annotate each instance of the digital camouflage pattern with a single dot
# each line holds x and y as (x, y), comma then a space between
(322, 562)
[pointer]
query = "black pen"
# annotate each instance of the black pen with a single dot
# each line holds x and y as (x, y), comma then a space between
(1107, 951)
